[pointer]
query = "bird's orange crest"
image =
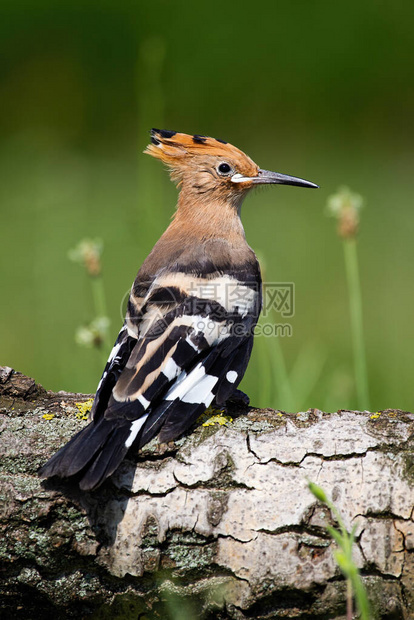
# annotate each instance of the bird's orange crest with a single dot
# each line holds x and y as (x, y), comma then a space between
(175, 150)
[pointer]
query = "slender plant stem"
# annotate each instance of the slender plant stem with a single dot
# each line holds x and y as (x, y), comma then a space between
(287, 400)
(361, 597)
(151, 112)
(343, 557)
(265, 372)
(349, 599)
(98, 293)
(99, 301)
(355, 304)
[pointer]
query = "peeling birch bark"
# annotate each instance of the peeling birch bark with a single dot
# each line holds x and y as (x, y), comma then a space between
(219, 525)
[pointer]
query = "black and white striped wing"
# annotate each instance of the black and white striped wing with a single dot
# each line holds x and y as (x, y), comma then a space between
(172, 363)
(115, 365)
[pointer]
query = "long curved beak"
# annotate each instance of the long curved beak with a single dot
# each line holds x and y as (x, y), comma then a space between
(265, 177)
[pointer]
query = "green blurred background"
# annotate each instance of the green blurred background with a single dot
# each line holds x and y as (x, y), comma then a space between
(311, 88)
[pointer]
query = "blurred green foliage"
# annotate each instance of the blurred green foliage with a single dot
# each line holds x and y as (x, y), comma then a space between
(314, 89)
(343, 553)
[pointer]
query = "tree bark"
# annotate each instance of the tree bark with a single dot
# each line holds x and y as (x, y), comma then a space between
(219, 525)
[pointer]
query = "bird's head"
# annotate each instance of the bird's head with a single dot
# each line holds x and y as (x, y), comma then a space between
(212, 168)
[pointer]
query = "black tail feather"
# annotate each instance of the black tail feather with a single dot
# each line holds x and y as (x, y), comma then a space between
(59, 464)
(80, 450)
(107, 460)
(154, 422)
(180, 417)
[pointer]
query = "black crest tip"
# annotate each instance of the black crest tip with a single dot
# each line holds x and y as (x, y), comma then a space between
(166, 133)
(199, 139)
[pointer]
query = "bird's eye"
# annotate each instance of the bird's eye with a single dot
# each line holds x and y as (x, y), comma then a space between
(224, 169)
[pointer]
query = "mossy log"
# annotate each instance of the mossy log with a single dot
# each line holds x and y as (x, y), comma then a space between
(219, 525)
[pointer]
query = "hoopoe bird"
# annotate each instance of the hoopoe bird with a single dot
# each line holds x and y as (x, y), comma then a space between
(188, 331)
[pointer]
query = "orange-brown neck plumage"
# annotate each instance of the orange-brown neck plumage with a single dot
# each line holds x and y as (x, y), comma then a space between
(201, 218)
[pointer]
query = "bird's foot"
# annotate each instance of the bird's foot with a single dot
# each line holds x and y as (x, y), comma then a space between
(238, 398)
